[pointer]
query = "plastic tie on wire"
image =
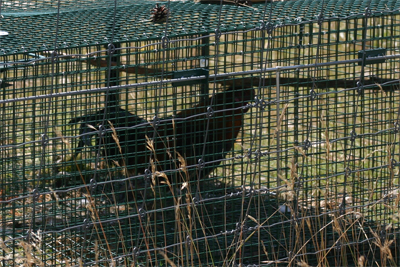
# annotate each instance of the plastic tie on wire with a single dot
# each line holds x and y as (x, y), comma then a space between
(306, 144)
(102, 130)
(210, 112)
(368, 12)
(347, 171)
(142, 213)
(217, 34)
(360, 88)
(44, 140)
(201, 163)
(111, 48)
(320, 18)
(269, 27)
(165, 41)
(353, 135)
(147, 176)
(393, 162)
(54, 54)
(136, 251)
(196, 200)
(338, 246)
(86, 224)
(396, 127)
(252, 192)
(262, 25)
(35, 194)
(93, 184)
(156, 121)
(313, 94)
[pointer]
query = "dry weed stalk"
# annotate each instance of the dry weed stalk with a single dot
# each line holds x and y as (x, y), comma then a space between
(328, 144)
(390, 166)
(95, 217)
(116, 139)
(381, 89)
(59, 134)
(279, 122)
(289, 193)
(301, 151)
(361, 261)
(191, 209)
(30, 259)
(4, 247)
(96, 251)
(384, 247)
(302, 263)
(241, 243)
(167, 259)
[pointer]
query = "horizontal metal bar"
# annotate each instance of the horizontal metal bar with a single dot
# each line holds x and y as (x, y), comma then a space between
(212, 77)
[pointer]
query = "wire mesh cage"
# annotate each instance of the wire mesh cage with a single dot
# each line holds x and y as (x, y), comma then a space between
(219, 133)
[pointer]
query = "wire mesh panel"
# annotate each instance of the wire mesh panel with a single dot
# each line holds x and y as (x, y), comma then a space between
(136, 133)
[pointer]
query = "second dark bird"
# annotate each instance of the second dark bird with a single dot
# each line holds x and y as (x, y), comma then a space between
(195, 133)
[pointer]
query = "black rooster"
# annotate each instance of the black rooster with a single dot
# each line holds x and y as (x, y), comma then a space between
(205, 132)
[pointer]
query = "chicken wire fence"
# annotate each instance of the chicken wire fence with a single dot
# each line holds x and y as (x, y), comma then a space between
(226, 133)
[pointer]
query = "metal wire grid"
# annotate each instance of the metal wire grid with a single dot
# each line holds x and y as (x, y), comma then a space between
(90, 26)
(375, 125)
(54, 6)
